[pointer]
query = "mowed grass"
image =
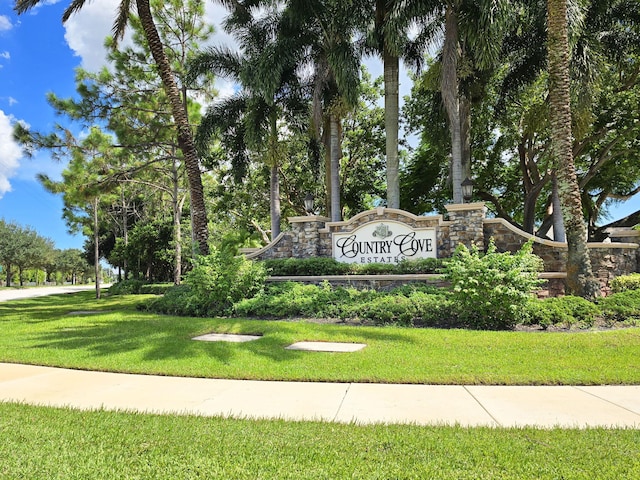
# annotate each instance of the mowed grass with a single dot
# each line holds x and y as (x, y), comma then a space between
(48, 443)
(42, 331)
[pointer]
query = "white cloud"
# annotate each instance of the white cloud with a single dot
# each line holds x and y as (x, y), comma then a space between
(5, 23)
(10, 153)
(10, 100)
(214, 15)
(86, 31)
(5, 55)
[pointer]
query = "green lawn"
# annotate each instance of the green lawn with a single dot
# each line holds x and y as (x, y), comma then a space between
(46, 443)
(41, 331)
(49, 443)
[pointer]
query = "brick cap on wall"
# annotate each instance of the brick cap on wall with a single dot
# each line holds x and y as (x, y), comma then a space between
(380, 211)
(623, 233)
(551, 243)
(267, 247)
(308, 218)
(461, 207)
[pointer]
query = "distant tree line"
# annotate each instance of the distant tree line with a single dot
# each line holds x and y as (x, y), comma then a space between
(27, 257)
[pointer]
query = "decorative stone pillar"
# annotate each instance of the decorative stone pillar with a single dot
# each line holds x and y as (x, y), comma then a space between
(466, 224)
(626, 235)
(306, 238)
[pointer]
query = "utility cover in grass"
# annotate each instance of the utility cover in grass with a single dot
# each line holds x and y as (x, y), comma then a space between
(326, 346)
(227, 337)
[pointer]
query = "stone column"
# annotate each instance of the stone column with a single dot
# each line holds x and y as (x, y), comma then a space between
(306, 238)
(466, 225)
(626, 235)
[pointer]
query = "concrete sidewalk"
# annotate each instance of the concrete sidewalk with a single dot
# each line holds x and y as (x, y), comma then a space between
(497, 406)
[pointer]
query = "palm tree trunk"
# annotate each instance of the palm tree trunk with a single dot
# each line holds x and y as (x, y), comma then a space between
(580, 279)
(275, 201)
(559, 234)
(391, 115)
(336, 213)
(326, 143)
(199, 220)
(465, 136)
(451, 99)
(274, 188)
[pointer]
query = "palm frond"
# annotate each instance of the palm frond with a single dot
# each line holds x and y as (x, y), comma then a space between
(74, 7)
(222, 61)
(22, 6)
(122, 19)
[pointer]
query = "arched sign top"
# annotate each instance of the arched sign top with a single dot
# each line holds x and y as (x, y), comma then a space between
(384, 241)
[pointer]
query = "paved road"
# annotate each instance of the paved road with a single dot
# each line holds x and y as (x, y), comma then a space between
(16, 294)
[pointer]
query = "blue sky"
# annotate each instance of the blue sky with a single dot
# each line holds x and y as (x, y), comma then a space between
(38, 55)
(34, 59)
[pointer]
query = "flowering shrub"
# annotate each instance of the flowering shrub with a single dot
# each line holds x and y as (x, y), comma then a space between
(491, 291)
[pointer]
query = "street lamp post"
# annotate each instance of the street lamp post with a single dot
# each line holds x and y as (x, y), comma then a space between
(467, 189)
(308, 203)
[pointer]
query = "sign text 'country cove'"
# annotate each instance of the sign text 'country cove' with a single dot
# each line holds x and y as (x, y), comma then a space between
(384, 242)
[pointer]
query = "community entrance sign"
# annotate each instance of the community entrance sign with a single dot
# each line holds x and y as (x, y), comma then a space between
(384, 242)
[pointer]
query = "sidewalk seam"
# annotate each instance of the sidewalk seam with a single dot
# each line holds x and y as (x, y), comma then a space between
(344, 397)
(577, 387)
(482, 406)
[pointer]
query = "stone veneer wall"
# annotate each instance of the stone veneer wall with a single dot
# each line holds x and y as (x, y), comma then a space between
(310, 236)
(466, 224)
(608, 260)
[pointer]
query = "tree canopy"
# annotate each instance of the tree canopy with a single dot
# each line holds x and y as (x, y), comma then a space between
(307, 118)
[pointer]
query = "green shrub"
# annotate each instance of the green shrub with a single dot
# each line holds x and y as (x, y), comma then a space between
(372, 269)
(214, 284)
(433, 308)
(314, 266)
(621, 307)
(567, 310)
(407, 305)
(387, 309)
(155, 288)
(177, 300)
(293, 299)
(404, 306)
(126, 287)
(422, 265)
(319, 266)
(491, 291)
(626, 282)
(134, 287)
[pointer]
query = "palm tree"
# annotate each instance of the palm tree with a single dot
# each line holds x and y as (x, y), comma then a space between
(249, 120)
(178, 109)
(318, 36)
(471, 33)
(580, 279)
(387, 38)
